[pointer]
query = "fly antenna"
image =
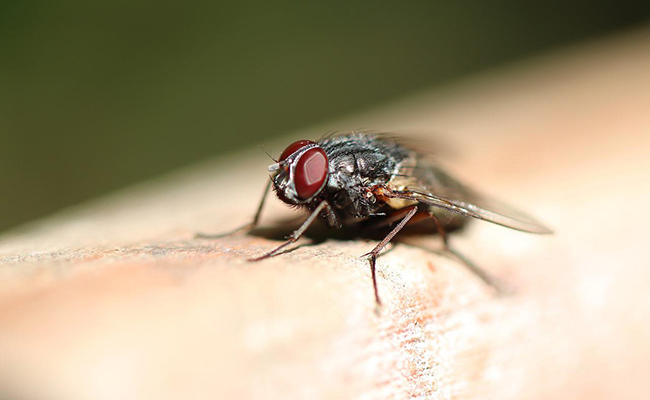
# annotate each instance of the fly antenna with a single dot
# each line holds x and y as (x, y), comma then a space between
(267, 153)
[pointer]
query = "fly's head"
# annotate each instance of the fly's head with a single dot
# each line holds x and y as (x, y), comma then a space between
(301, 173)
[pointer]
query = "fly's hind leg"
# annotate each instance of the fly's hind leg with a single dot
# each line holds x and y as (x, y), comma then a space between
(483, 275)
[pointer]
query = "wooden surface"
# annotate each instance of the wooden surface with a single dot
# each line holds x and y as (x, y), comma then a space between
(116, 299)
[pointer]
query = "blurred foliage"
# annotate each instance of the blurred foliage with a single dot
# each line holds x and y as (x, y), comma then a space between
(97, 95)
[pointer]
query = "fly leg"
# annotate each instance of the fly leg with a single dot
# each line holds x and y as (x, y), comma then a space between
(331, 217)
(375, 252)
(441, 231)
(245, 228)
(484, 276)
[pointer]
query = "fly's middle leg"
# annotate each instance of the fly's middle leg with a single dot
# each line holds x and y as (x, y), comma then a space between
(372, 255)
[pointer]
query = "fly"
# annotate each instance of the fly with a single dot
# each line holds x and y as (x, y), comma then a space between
(357, 178)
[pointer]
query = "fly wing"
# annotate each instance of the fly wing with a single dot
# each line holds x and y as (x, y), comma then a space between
(426, 183)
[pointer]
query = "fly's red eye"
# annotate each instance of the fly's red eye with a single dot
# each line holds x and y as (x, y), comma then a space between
(310, 173)
(293, 147)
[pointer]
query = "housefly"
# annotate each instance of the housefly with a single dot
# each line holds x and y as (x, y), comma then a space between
(354, 178)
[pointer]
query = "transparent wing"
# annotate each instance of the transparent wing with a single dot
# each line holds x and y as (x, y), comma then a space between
(426, 183)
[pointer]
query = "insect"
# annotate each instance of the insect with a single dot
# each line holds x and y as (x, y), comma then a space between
(369, 179)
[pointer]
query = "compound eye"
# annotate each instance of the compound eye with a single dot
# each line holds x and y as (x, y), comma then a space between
(310, 173)
(293, 147)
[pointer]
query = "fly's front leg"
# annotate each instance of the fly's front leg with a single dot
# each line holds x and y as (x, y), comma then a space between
(375, 252)
(323, 206)
(245, 228)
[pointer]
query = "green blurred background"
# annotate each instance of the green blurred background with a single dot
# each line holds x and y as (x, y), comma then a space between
(98, 95)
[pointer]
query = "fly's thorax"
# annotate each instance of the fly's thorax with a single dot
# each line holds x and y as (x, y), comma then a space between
(358, 164)
(368, 157)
